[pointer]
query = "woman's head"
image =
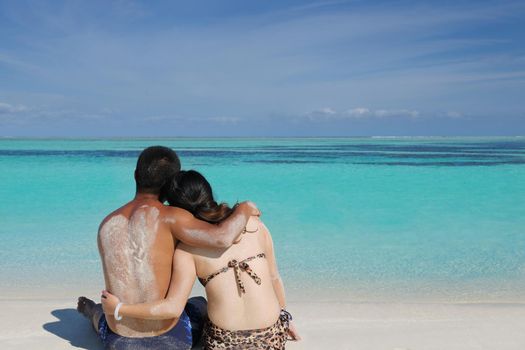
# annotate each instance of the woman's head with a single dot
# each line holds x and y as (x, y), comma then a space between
(191, 191)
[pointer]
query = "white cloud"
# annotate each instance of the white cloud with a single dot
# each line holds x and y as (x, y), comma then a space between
(454, 114)
(22, 115)
(386, 113)
(6, 108)
(17, 63)
(328, 113)
(327, 110)
(322, 113)
(159, 118)
(358, 112)
(178, 118)
(224, 120)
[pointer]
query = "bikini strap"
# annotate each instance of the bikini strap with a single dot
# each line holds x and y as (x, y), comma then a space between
(237, 267)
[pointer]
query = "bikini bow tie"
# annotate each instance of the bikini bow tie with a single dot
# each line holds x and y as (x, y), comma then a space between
(242, 266)
(237, 266)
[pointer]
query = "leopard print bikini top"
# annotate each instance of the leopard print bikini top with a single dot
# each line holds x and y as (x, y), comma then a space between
(237, 267)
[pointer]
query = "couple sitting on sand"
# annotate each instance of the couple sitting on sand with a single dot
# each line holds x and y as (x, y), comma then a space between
(152, 253)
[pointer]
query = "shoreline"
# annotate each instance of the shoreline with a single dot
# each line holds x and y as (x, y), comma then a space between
(301, 296)
(55, 324)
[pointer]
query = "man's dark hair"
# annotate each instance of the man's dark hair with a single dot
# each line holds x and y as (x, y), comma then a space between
(156, 166)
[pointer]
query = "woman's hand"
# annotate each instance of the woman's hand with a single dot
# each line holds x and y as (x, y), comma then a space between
(109, 302)
(292, 332)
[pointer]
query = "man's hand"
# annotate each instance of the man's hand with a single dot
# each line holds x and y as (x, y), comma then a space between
(250, 208)
(109, 302)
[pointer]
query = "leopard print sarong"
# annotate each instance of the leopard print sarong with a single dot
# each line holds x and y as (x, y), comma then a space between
(270, 338)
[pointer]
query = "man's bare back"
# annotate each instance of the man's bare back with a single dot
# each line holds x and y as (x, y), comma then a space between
(136, 246)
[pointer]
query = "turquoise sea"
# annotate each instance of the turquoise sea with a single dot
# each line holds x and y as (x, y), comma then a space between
(357, 219)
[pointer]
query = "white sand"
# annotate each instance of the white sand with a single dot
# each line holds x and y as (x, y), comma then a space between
(55, 324)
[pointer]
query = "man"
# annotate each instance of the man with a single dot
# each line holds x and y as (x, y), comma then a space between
(136, 244)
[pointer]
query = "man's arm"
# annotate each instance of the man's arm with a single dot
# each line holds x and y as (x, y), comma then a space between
(197, 233)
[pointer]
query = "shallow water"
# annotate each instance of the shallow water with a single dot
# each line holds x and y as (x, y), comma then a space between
(352, 218)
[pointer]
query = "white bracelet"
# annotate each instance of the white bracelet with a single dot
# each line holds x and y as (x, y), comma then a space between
(117, 317)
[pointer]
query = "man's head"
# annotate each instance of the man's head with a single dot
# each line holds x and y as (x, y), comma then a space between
(155, 166)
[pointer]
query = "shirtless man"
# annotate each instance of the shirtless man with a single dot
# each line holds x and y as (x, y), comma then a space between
(136, 244)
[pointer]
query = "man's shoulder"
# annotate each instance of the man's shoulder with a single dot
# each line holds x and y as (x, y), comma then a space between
(175, 213)
(113, 215)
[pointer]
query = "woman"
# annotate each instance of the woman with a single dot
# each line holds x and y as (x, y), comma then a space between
(246, 301)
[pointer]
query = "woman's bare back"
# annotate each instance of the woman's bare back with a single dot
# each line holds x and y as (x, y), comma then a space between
(228, 306)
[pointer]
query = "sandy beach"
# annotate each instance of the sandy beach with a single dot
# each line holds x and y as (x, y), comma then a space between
(55, 324)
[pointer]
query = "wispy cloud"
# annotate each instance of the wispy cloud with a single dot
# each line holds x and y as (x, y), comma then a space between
(17, 63)
(191, 119)
(364, 113)
(6, 108)
(139, 59)
(328, 113)
(21, 115)
(454, 114)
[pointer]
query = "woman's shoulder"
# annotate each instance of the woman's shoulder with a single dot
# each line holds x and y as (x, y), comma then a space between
(257, 228)
(253, 223)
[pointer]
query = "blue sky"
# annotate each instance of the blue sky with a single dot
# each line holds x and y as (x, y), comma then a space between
(261, 68)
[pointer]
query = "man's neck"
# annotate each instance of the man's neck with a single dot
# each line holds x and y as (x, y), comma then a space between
(145, 196)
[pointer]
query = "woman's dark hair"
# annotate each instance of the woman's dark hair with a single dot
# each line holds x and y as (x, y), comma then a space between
(191, 191)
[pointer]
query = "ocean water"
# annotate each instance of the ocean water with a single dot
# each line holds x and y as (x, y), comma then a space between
(357, 219)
